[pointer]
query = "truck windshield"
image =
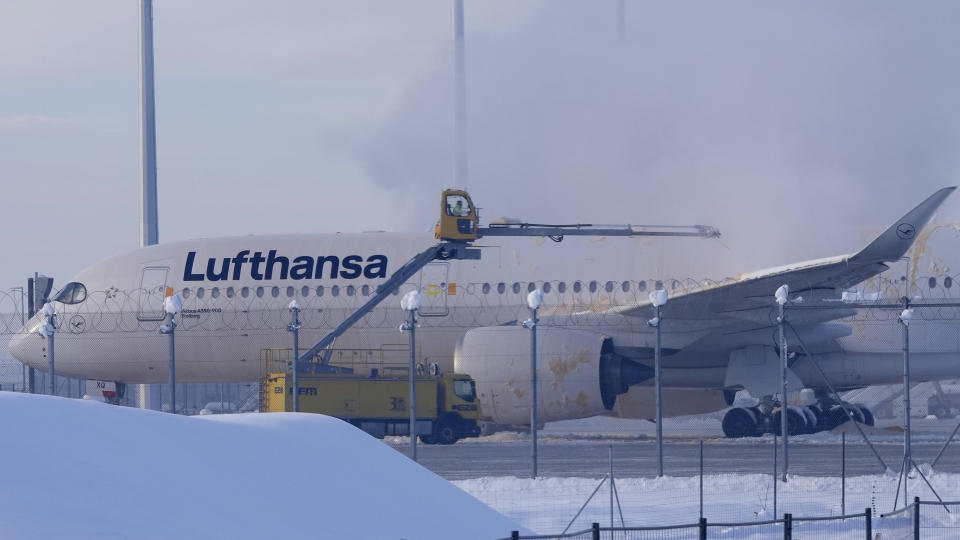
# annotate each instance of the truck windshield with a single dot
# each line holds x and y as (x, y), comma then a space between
(457, 206)
(465, 389)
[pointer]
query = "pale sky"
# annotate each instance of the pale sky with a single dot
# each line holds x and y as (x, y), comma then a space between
(792, 127)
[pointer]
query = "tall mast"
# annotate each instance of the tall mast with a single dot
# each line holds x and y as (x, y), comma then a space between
(460, 103)
(148, 131)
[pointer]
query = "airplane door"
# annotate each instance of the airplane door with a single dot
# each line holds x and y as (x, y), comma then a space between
(433, 287)
(153, 284)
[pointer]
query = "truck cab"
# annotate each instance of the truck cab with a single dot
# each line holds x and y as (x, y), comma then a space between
(458, 217)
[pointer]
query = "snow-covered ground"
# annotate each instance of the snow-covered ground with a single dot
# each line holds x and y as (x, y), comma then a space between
(82, 469)
(547, 505)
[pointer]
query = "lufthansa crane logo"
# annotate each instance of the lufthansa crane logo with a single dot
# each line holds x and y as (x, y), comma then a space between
(77, 324)
(906, 231)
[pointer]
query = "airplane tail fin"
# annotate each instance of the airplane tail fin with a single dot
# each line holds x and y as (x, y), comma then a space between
(894, 242)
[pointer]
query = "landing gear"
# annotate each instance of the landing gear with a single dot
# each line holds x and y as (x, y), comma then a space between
(753, 421)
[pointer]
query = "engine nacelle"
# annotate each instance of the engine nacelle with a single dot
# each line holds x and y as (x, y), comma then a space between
(578, 374)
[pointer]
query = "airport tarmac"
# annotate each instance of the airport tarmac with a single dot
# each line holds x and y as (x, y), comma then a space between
(563, 453)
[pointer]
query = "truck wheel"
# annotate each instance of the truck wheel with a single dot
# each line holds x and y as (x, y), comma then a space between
(427, 439)
(447, 430)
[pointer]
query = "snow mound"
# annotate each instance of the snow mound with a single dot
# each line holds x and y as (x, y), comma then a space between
(83, 469)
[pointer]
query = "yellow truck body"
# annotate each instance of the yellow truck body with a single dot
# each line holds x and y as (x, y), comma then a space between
(447, 406)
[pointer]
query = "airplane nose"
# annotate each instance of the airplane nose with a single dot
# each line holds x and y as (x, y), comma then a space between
(29, 348)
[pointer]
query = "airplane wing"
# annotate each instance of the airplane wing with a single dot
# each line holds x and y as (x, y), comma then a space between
(749, 297)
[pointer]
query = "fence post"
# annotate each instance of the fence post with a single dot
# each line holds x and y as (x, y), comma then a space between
(843, 474)
(868, 523)
(701, 478)
(787, 526)
(514, 535)
(703, 528)
(916, 518)
(595, 531)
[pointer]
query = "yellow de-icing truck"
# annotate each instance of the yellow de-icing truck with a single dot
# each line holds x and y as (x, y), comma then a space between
(447, 405)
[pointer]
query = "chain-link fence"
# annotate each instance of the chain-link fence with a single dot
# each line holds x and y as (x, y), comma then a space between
(852, 527)
(738, 483)
(223, 331)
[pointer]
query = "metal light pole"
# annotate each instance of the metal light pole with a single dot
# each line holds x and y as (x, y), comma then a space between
(905, 317)
(31, 311)
(534, 299)
(172, 305)
(658, 298)
(23, 323)
(294, 327)
(47, 330)
(411, 303)
(149, 395)
(781, 296)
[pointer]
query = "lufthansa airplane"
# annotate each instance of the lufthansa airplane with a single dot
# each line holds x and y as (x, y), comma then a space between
(595, 344)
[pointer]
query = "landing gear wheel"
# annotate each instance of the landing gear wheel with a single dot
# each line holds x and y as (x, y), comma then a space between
(447, 430)
(427, 439)
(821, 419)
(796, 422)
(738, 423)
(811, 419)
(866, 414)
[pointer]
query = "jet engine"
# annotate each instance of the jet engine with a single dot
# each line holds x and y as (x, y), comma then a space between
(578, 372)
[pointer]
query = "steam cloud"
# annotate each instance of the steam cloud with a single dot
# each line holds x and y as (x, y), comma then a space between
(791, 127)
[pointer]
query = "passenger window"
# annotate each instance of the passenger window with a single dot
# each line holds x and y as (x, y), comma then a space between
(608, 287)
(948, 282)
(320, 290)
(259, 292)
(933, 283)
(642, 286)
(562, 287)
(625, 286)
(531, 286)
(350, 290)
(185, 293)
(593, 286)
(275, 291)
(290, 292)
(658, 285)
(230, 292)
(577, 286)
(200, 292)
(501, 287)
(516, 288)
(305, 291)
(546, 287)
(215, 292)
(335, 290)
(485, 288)
(245, 292)
(365, 290)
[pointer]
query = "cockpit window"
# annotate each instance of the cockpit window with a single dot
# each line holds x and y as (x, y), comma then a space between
(465, 389)
(457, 205)
(73, 293)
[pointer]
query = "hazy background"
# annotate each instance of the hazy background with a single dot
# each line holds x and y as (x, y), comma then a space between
(791, 127)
